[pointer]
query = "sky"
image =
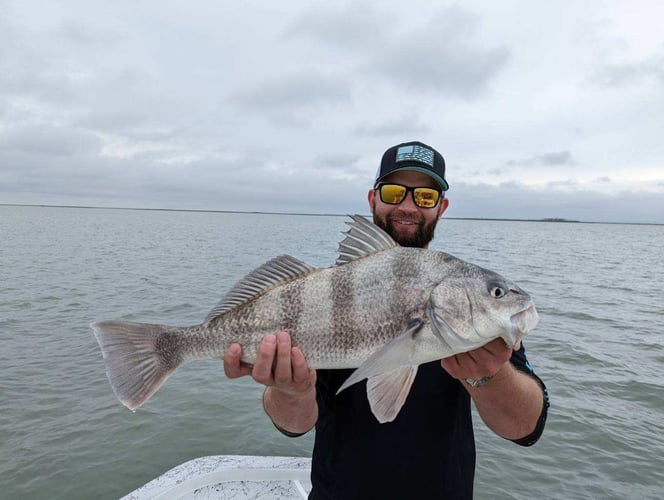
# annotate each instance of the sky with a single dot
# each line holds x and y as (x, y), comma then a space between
(541, 109)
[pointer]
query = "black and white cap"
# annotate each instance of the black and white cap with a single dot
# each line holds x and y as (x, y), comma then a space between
(414, 156)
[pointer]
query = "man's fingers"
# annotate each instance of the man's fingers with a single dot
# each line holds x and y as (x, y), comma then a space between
(233, 367)
(496, 353)
(485, 360)
(301, 371)
(262, 371)
(452, 365)
(283, 373)
(277, 363)
(469, 364)
(498, 347)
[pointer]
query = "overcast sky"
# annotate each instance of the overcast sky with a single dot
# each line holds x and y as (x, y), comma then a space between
(541, 109)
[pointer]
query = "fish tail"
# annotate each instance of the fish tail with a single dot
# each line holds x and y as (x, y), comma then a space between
(139, 358)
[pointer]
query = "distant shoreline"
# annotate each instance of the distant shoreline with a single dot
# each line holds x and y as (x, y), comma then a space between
(546, 219)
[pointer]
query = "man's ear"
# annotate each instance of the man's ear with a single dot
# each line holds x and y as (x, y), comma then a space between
(443, 206)
(370, 197)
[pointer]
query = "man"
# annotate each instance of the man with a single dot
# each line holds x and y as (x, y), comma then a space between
(428, 451)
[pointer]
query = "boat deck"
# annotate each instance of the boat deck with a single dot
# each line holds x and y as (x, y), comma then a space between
(231, 477)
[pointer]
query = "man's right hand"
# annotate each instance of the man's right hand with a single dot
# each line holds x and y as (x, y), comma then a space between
(278, 364)
(290, 395)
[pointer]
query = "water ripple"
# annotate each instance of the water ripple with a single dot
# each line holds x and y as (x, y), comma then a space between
(598, 348)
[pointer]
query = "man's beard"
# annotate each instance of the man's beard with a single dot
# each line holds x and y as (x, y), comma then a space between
(420, 239)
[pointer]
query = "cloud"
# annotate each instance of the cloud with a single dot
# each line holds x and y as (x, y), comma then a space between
(83, 36)
(632, 73)
(287, 106)
(564, 184)
(325, 183)
(293, 98)
(553, 159)
(47, 140)
(406, 125)
(514, 200)
(355, 25)
(340, 160)
(441, 56)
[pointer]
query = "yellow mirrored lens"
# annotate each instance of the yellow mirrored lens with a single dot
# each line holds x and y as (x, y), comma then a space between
(392, 193)
(425, 197)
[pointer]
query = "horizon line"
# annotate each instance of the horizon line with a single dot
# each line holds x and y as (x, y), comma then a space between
(263, 212)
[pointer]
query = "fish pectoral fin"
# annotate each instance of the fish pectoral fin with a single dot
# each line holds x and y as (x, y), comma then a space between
(387, 392)
(394, 355)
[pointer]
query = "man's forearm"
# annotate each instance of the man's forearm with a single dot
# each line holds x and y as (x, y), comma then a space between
(295, 413)
(510, 404)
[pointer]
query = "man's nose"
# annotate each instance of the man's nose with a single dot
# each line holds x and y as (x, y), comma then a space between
(408, 204)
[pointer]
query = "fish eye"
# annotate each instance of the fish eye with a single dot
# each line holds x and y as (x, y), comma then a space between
(497, 292)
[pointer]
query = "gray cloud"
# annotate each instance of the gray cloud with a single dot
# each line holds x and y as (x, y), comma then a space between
(553, 159)
(624, 74)
(355, 25)
(295, 90)
(566, 183)
(82, 35)
(293, 98)
(49, 140)
(337, 160)
(488, 201)
(408, 125)
(255, 183)
(286, 109)
(441, 56)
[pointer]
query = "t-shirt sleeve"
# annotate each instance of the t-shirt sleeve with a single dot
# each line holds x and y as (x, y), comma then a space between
(520, 362)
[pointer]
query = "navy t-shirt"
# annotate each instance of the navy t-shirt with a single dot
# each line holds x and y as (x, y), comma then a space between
(428, 451)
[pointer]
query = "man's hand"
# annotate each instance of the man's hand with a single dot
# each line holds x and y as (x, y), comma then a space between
(278, 364)
(482, 362)
(511, 402)
(290, 395)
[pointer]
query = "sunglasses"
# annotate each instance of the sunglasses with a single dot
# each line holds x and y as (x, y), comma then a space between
(393, 194)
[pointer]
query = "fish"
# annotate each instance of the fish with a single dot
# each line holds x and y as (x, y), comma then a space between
(382, 309)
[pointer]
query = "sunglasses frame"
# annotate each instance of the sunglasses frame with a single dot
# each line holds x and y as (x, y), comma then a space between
(408, 189)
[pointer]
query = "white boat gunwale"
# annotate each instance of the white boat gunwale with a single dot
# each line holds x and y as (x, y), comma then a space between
(228, 472)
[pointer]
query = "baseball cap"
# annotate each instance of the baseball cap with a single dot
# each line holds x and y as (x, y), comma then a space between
(414, 156)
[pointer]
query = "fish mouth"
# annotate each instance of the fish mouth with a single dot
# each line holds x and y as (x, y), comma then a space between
(524, 321)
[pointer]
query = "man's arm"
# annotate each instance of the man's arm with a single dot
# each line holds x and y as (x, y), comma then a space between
(290, 394)
(511, 403)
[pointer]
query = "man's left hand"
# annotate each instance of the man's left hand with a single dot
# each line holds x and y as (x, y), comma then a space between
(484, 361)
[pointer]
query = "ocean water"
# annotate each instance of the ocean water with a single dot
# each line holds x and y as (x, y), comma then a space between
(599, 348)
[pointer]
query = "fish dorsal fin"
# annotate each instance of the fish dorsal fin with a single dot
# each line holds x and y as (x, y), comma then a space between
(362, 239)
(274, 272)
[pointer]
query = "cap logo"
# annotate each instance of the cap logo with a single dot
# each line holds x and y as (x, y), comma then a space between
(415, 152)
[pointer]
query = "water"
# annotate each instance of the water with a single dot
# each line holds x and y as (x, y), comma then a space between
(63, 434)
